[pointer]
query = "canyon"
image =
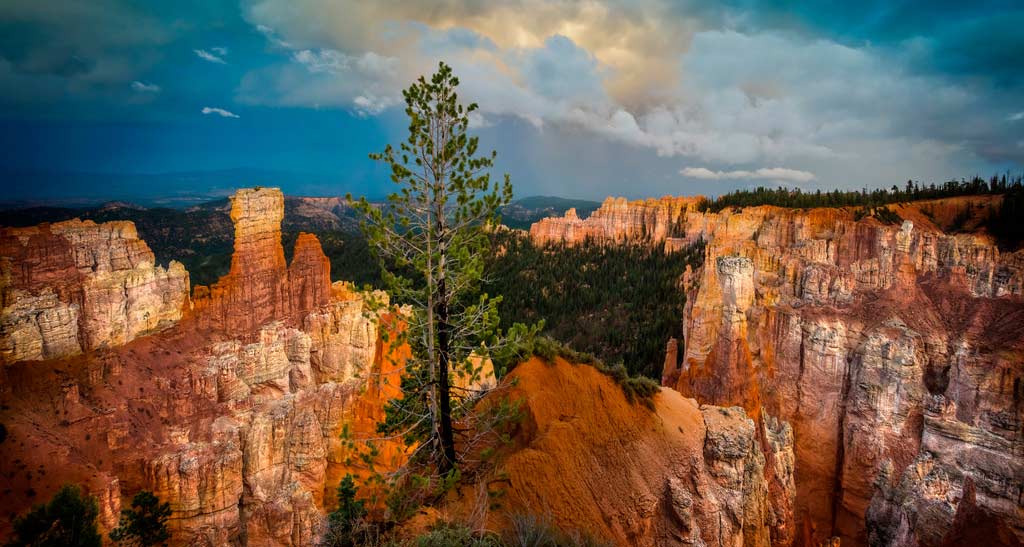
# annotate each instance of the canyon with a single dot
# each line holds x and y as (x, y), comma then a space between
(894, 351)
(229, 402)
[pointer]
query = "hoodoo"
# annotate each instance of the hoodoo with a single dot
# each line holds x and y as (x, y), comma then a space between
(260, 287)
(232, 415)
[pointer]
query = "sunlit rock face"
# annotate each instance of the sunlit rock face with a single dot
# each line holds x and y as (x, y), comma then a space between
(76, 286)
(894, 351)
(233, 415)
(618, 220)
(260, 286)
(673, 472)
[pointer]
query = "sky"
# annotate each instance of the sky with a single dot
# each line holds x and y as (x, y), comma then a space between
(581, 99)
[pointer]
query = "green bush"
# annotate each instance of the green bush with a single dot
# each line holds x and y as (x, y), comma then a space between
(346, 524)
(529, 343)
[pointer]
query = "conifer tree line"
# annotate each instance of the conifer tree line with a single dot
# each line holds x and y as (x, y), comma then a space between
(911, 191)
(1003, 223)
(619, 302)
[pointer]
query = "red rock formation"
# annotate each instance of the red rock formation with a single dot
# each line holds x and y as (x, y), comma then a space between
(680, 473)
(618, 220)
(260, 287)
(233, 416)
(74, 286)
(894, 351)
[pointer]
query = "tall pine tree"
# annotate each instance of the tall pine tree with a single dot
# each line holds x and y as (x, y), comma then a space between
(432, 239)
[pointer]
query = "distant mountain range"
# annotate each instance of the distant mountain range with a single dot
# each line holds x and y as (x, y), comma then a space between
(524, 212)
(181, 189)
(94, 191)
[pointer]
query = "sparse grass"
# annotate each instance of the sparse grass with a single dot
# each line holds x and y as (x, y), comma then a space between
(446, 534)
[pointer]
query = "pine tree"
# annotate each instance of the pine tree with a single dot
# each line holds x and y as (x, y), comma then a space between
(432, 239)
(67, 520)
(145, 524)
(343, 522)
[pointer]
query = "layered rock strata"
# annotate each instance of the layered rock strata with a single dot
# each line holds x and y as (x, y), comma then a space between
(895, 351)
(76, 286)
(260, 286)
(234, 415)
(618, 220)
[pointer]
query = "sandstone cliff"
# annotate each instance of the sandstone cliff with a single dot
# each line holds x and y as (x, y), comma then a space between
(76, 286)
(618, 220)
(679, 473)
(233, 415)
(894, 351)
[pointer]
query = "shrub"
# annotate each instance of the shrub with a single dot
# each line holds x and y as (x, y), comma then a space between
(447, 534)
(346, 525)
(539, 531)
(530, 343)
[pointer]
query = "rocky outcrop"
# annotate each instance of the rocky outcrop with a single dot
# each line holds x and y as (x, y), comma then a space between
(618, 220)
(679, 473)
(76, 286)
(895, 353)
(260, 286)
(234, 415)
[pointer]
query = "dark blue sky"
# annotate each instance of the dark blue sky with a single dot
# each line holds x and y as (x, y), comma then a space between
(581, 99)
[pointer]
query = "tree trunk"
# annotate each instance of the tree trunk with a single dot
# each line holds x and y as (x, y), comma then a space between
(444, 397)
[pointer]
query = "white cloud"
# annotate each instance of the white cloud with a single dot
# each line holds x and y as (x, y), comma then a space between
(371, 105)
(640, 74)
(220, 50)
(764, 173)
(143, 87)
(366, 84)
(207, 56)
(272, 36)
(1016, 117)
(220, 112)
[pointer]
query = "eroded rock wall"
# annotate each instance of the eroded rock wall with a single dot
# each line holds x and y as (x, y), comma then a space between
(76, 286)
(233, 416)
(895, 351)
(618, 220)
